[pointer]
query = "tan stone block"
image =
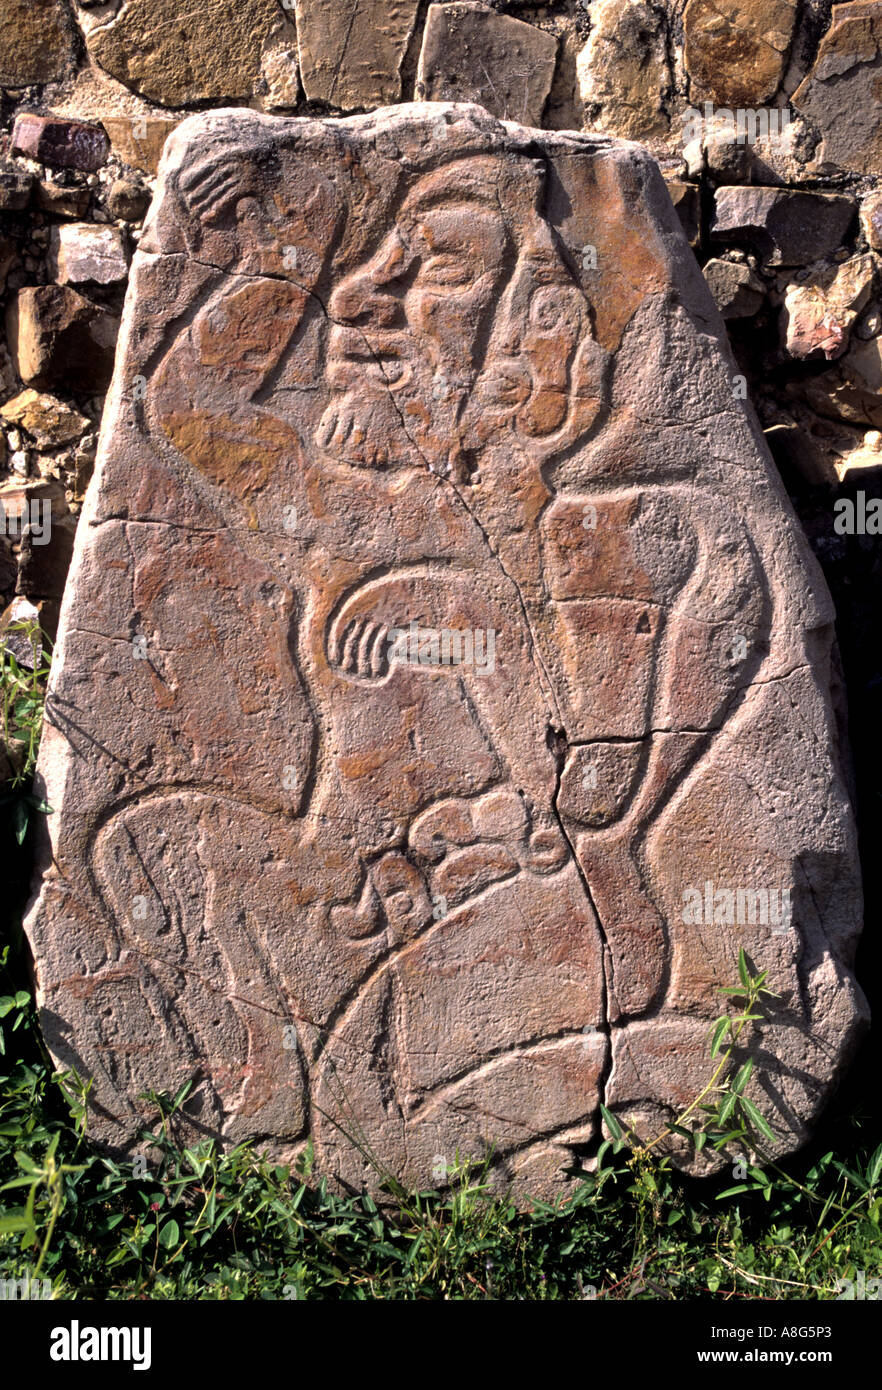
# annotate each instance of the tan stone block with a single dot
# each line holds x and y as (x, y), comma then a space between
(352, 51)
(736, 50)
(209, 51)
(59, 339)
(139, 140)
(36, 42)
(471, 53)
(47, 420)
(623, 73)
(840, 96)
(84, 253)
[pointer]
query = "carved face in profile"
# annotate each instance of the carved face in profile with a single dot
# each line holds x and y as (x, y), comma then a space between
(463, 319)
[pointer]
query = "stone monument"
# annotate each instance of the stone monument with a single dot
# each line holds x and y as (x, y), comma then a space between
(443, 688)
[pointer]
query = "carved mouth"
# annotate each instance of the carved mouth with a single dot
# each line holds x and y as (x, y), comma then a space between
(376, 356)
(351, 367)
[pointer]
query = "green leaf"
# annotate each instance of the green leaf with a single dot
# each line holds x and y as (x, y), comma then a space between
(719, 1032)
(728, 1138)
(743, 972)
(874, 1167)
(612, 1123)
(10, 1223)
(169, 1235)
(853, 1177)
(727, 1107)
(756, 1118)
(743, 1077)
(182, 1094)
(20, 820)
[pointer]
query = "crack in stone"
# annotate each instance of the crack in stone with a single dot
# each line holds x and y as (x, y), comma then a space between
(559, 743)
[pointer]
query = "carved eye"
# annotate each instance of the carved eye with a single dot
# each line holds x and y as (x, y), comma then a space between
(248, 210)
(551, 309)
(448, 270)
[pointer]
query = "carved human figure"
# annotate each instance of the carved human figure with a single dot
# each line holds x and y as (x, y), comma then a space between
(433, 409)
(472, 629)
(465, 339)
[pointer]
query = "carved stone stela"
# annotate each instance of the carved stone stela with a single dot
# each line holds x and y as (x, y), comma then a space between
(443, 688)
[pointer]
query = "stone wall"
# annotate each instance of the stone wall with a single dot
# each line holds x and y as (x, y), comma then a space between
(795, 272)
(762, 118)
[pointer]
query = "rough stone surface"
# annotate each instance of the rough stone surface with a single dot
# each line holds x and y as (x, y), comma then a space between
(871, 220)
(48, 421)
(23, 610)
(81, 253)
(15, 189)
(735, 50)
(686, 198)
(62, 201)
(35, 42)
(852, 390)
(61, 144)
(279, 67)
(471, 53)
(349, 884)
(786, 227)
(59, 338)
(44, 559)
(139, 139)
(623, 72)
(127, 200)
(819, 450)
(842, 93)
(819, 314)
(737, 291)
(16, 498)
(8, 256)
(352, 51)
(8, 571)
(174, 54)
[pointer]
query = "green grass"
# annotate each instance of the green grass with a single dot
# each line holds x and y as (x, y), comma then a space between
(22, 695)
(197, 1224)
(201, 1225)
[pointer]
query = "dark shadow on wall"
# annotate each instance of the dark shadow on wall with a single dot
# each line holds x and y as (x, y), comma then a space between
(852, 565)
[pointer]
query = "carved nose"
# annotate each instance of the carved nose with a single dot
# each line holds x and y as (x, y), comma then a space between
(367, 295)
(359, 300)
